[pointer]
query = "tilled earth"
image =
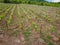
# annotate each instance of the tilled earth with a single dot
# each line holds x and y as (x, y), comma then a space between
(29, 27)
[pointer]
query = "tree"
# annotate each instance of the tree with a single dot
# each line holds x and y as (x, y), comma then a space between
(5, 1)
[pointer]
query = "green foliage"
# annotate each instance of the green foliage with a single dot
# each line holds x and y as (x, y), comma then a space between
(28, 17)
(50, 43)
(1, 0)
(47, 40)
(1, 16)
(48, 18)
(49, 37)
(27, 32)
(36, 2)
(53, 29)
(36, 27)
(10, 18)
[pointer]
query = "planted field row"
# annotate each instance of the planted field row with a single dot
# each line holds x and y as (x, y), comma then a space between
(50, 17)
(34, 16)
(4, 14)
(45, 13)
(4, 7)
(11, 14)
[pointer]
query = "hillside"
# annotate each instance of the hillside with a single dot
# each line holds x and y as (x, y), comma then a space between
(26, 24)
(22, 0)
(33, 2)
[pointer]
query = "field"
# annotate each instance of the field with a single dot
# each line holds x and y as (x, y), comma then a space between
(24, 24)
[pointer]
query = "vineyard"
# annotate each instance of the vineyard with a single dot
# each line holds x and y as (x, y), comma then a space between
(26, 24)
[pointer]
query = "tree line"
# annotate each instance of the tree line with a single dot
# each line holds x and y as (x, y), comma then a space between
(35, 2)
(21, 1)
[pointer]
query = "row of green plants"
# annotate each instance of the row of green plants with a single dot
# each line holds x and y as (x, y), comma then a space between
(46, 17)
(34, 25)
(43, 14)
(14, 32)
(27, 30)
(47, 38)
(3, 7)
(3, 10)
(52, 29)
(28, 16)
(11, 16)
(2, 16)
(19, 14)
(20, 18)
